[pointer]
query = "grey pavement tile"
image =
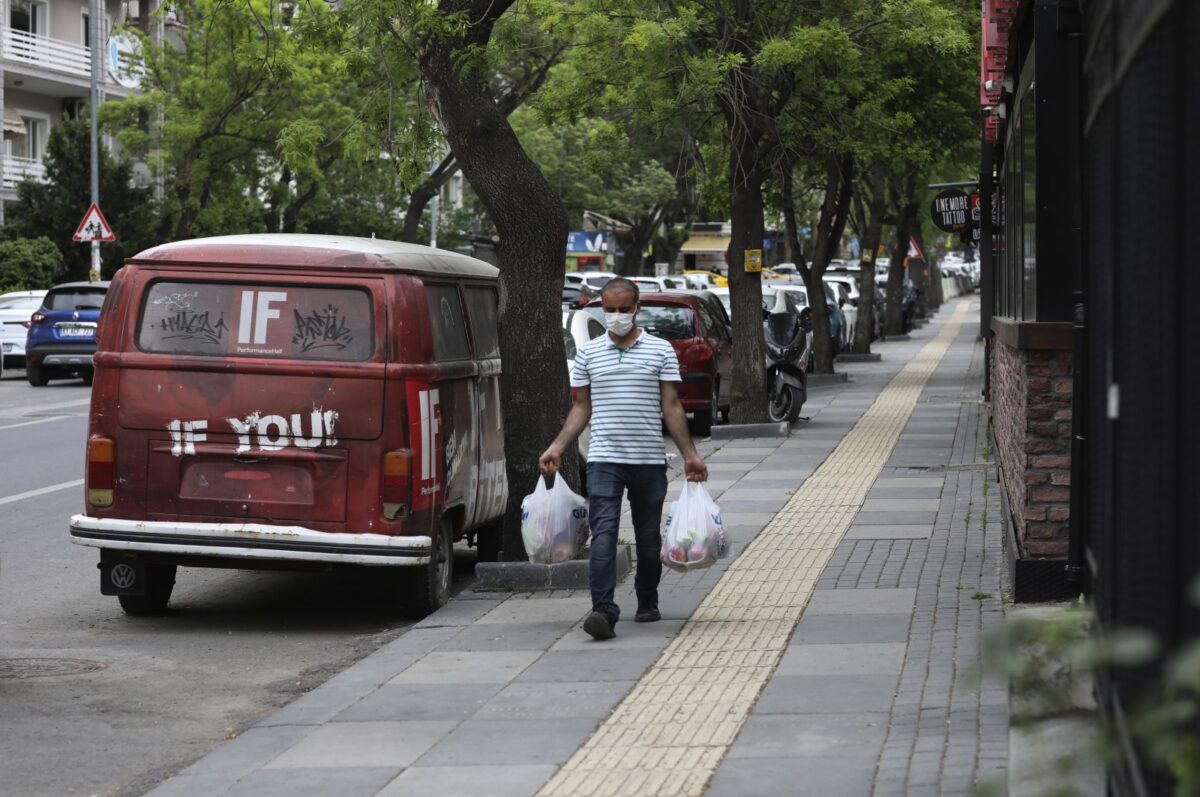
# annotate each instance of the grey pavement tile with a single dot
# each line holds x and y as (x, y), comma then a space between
(631, 634)
(543, 610)
(459, 612)
(774, 735)
(794, 776)
(852, 658)
(320, 705)
(823, 628)
(746, 518)
(594, 663)
(507, 636)
(402, 702)
(363, 744)
(752, 493)
(506, 741)
(477, 781)
(752, 506)
(905, 492)
(899, 532)
(799, 694)
(901, 505)
(861, 601)
(317, 782)
(751, 446)
(565, 700)
(893, 518)
(468, 667)
(249, 751)
(910, 481)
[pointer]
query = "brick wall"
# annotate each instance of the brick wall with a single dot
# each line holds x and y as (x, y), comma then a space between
(1031, 424)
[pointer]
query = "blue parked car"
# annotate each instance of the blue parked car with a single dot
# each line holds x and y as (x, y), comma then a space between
(62, 333)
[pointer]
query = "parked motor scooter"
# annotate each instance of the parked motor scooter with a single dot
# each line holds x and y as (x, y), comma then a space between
(789, 343)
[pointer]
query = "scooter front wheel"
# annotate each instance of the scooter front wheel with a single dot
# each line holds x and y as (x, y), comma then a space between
(785, 404)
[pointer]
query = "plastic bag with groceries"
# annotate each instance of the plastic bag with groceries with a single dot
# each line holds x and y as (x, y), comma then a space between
(554, 522)
(694, 535)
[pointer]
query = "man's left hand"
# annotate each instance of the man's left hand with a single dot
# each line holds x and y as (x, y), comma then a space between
(695, 469)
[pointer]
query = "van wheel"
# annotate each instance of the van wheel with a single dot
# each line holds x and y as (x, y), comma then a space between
(36, 376)
(160, 581)
(426, 589)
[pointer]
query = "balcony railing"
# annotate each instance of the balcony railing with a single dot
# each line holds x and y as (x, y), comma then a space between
(17, 170)
(45, 52)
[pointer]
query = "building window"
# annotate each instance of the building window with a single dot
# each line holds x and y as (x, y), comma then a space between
(31, 143)
(1016, 250)
(30, 16)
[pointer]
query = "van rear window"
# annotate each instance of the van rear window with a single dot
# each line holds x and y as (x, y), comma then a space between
(238, 320)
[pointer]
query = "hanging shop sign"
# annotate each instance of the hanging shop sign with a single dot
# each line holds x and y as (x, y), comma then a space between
(951, 210)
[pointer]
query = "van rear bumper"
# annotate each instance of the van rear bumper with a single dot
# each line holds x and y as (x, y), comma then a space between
(249, 541)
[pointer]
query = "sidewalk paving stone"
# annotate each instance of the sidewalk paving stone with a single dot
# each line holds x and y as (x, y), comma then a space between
(364, 744)
(478, 781)
(493, 693)
(852, 658)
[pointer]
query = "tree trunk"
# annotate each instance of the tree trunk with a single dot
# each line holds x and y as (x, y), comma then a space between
(532, 224)
(864, 330)
(423, 195)
(905, 221)
(830, 225)
(748, 397)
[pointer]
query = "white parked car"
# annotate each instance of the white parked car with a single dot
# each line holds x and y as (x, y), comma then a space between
(579, 326)
(15, 310)
(849, 285)
(659, 284)
(593, 279)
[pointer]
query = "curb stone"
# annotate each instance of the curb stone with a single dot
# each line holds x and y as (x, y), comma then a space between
(529, 576)
(739, 431)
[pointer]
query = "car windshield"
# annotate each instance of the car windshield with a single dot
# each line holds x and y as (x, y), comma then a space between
(600, 281)
(75, 299)
(799, 295)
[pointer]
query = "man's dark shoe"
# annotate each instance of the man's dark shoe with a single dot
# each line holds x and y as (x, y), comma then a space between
(600, 625)
(647, 614)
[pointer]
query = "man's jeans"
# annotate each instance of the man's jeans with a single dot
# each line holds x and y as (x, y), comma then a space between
(647, 486)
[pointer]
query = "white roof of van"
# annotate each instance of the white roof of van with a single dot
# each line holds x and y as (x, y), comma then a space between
(315, 251)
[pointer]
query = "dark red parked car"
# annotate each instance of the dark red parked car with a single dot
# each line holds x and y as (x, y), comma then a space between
(698, 328)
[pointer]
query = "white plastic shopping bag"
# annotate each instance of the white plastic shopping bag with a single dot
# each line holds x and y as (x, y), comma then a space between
(554, 522)
(694, 535)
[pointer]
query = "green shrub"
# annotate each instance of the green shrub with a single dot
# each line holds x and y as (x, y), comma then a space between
(28, 264)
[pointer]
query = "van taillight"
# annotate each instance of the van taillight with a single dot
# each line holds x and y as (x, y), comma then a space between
(101, 463)
(397, 470)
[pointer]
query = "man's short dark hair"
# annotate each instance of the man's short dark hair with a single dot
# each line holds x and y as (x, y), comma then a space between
(621, 284)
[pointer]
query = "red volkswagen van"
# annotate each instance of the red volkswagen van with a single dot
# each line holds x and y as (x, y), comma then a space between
(293, 401)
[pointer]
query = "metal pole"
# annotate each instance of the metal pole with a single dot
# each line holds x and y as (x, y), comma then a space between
(434, 209)
(94, 101)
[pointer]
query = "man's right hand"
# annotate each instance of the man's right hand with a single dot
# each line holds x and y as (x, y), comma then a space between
(550, 460)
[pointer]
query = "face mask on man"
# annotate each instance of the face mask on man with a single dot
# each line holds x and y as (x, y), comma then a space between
(619, 323)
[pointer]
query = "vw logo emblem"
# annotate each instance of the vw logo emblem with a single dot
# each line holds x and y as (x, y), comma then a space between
(122, 576)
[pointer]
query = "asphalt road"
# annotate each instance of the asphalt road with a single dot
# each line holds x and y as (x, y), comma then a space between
(94, 702)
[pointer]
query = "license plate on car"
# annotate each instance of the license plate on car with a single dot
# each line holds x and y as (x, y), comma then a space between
(75, 331)
(6, 347)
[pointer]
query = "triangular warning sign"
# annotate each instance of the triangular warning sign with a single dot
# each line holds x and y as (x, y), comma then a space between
(94, 226)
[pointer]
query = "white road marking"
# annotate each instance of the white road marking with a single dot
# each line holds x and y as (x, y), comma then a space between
(40, 491)
(14, 412)
(39, 420)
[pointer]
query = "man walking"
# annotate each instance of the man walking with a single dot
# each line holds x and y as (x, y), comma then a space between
(625, 385)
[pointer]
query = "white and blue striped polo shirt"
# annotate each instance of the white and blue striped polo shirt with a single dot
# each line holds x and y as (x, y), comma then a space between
(626, 397)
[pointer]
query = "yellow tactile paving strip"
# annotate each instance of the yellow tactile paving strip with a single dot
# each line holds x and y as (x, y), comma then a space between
(673, 728)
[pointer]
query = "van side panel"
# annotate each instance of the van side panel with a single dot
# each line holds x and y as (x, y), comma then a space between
(493, 481)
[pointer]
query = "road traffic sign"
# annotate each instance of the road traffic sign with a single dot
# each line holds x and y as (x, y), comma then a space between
(94, 227)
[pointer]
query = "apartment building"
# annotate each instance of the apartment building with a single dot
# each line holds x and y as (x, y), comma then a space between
(45, 74)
